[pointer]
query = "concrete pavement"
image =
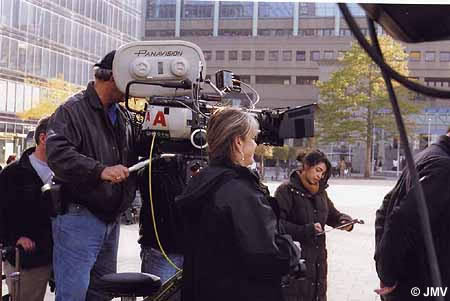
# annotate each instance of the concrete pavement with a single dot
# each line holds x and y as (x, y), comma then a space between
(352, 275)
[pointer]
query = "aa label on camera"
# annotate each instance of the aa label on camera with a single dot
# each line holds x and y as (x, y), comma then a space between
(429, 292)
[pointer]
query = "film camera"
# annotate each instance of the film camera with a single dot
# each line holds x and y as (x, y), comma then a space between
(171, 76)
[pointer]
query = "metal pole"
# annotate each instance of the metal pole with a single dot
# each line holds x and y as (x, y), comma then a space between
(398, 157)
(429, 131)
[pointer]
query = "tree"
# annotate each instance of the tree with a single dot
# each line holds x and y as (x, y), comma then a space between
(263, 151)
(58, 90)
(354, 101)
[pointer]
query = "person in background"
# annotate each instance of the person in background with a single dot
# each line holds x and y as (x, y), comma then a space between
(25, 218)
(233, 249)
(305, 208)
(400, 255)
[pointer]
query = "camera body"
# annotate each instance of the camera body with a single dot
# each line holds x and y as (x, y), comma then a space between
(170, 75)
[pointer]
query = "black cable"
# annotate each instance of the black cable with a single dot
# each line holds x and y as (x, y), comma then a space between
(422, 208)
(382, 64)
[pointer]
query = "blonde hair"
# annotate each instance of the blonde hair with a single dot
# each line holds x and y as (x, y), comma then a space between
(223, 127)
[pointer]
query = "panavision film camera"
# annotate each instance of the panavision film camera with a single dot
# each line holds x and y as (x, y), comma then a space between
(171, 76)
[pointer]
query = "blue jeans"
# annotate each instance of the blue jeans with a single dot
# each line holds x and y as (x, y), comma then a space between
(153, 262)
(85, 249)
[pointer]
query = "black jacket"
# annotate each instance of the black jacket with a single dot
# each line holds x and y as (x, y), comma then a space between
(233, 250)
(299, 210)
(81, 142)
(400, 251)
(25, 212)
(167, 183)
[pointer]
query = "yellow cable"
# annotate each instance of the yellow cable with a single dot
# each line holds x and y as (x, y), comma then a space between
(151, 206)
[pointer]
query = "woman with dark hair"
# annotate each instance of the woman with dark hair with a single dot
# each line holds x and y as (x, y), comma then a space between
(233, 249)
(305, 208)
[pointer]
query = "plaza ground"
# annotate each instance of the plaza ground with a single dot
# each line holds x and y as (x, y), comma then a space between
(351, 272)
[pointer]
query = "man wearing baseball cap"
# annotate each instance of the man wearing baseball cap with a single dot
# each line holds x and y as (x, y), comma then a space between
(89, 146)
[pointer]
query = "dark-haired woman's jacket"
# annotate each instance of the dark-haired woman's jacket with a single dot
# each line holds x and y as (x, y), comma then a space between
(299, 210)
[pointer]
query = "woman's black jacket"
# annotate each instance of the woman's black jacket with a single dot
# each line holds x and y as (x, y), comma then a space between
(233, 249)
(299, 210)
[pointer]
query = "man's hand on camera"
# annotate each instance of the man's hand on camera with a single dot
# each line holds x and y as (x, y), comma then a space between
(115, 174)
(27, 244)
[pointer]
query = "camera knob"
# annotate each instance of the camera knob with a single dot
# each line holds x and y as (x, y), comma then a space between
(198, 138)
(140, 67)
(179, 67)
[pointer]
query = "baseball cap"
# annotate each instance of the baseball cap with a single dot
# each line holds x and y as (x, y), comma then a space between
(107, 61)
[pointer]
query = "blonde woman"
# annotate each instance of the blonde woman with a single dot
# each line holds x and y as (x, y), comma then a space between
(233, 250)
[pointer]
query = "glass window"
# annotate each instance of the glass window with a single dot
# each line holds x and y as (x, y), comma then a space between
(47, 25)
(315, 55)
(72, 73)
(52, 64)
(275, 10)
(246, 55)
(78, 72)
(45, 63)
(233, 55)
(6, 11)
(23, 19)
(231, 9)
(34, 16)
(161, 9)
(300, 55)
(306, 80)
(67, 32)
(325, 9)
(15, 13)
(22, 57)
(66, 68)
(92, 42)
(30, 59)
(59, 65)
(220, 55)
(430, 56)
(328, 54)
(4, 53)
(259, 55)
(273, 55)
(198, 9)
(273, 80)
(11, 100)
(287, 55)
(414, 56)
(13, 50)
(35, 96)
(27, 97)
(87, 11)
(94, 10)
(80, 37)
(355, 9)
(37, 61)
(444, 56)
(3, 95)
(341, 54)
(19, 98)
(207, 54)
(54, 35)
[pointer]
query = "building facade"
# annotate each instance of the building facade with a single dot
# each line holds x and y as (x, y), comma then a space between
(282, 48)
(45, 39)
